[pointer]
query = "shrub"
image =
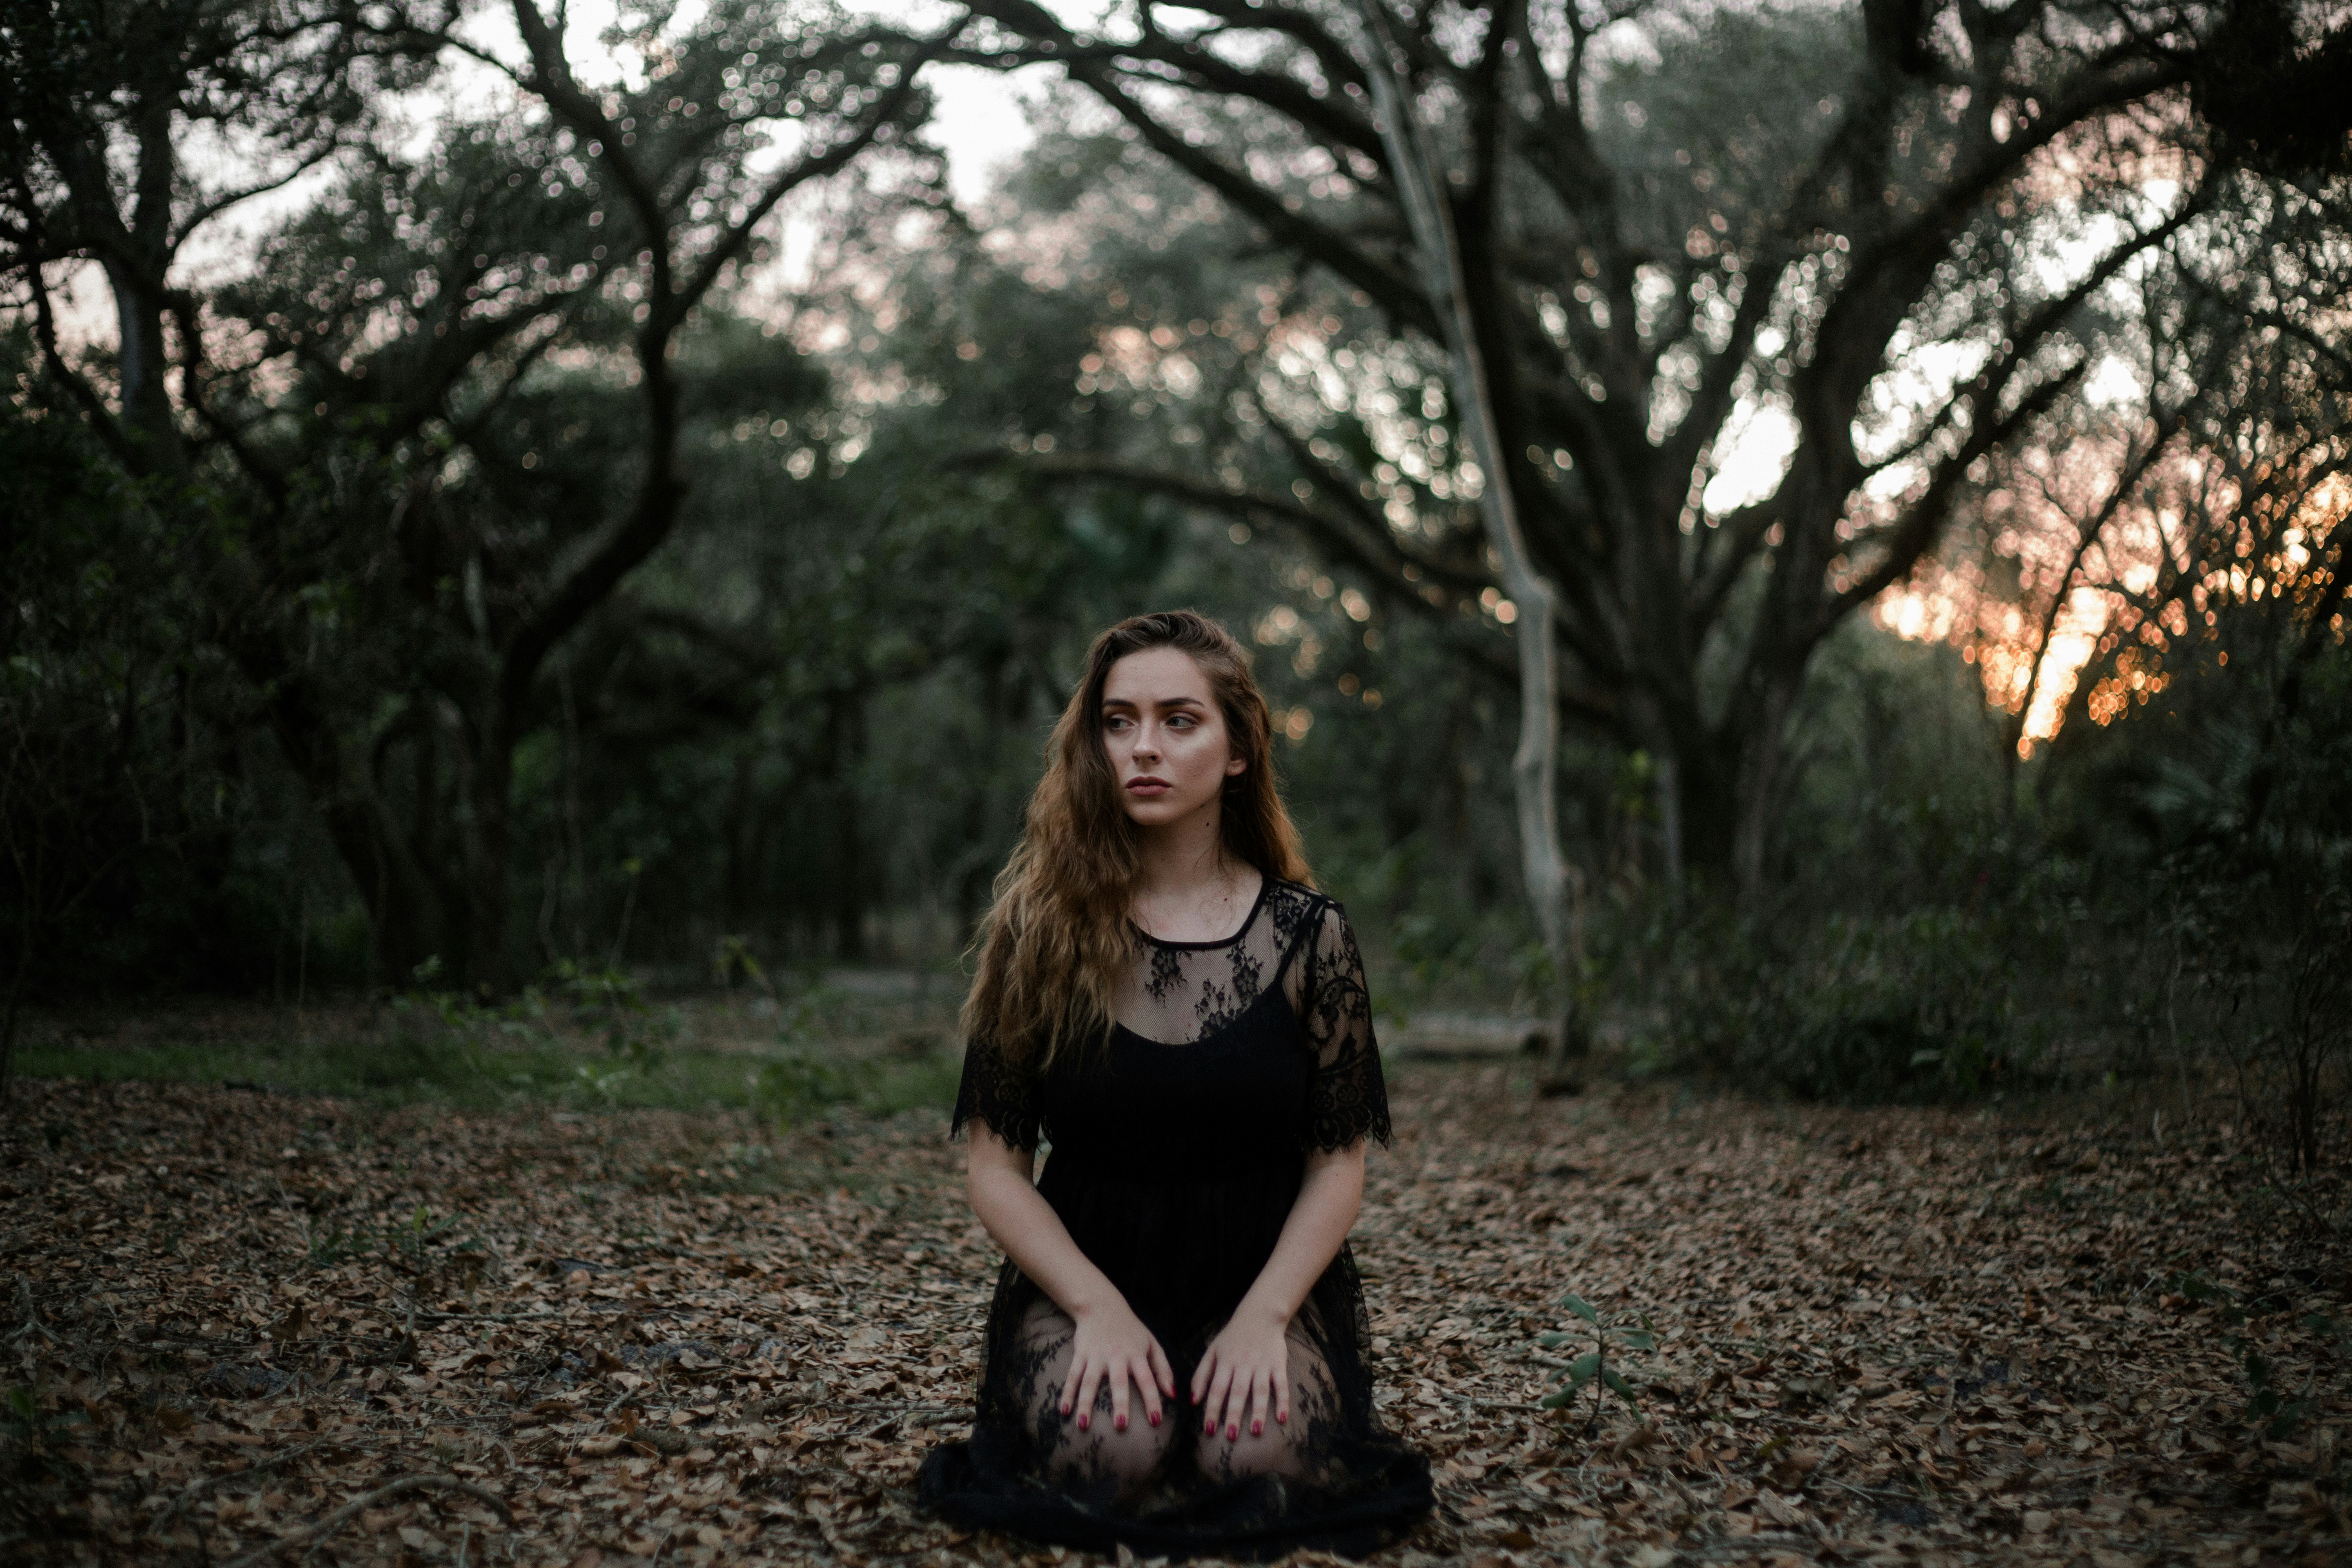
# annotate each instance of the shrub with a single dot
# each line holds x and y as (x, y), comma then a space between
(1857, 1008)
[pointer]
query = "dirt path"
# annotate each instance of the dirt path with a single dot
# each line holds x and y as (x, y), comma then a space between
(1890, 1336)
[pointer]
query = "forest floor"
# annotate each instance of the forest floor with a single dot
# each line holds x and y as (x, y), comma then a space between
(248, 1326)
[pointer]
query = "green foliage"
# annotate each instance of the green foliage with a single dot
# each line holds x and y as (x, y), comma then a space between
(801, 729)
(807, 1077)
(1597, 1368)
(406, 1245)
(128, 855)
(611, 1004)
(2268, 1406)
(797, 1086)
(1858, 1008)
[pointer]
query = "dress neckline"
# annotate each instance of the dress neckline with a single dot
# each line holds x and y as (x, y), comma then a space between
(1220, 1032)
(1264, 885)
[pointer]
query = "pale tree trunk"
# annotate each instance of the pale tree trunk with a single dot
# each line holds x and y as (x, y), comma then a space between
(1536, 765)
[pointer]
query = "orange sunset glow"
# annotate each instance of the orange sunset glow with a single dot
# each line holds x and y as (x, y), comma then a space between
(2038, 600)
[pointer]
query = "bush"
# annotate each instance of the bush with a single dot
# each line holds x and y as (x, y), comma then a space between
(1920, 1005)
(2262, 968)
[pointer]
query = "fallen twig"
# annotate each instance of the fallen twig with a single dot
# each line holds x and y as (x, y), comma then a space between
(352, 1508)
(1863, 1492)
(1748, 1546)
(268, 1461)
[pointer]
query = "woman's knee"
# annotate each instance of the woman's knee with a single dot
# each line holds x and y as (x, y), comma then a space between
(1129, 1456)
(1273, 1452)
(1277, 1448)
(1101, 1449)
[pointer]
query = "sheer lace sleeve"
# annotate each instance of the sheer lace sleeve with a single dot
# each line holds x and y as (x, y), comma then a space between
(998, 1092)
(1347, 1098)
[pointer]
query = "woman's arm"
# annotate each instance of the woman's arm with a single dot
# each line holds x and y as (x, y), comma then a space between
(1244, 1373)
(1112, 1346)
(1329, 1198)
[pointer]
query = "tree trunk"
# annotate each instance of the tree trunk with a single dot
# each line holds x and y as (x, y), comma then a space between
(1535, 765)
(146, 402)
(407, 912)
(1758, 782)
(849, 888)
(16, 998)
(735, 896)
(488, 864)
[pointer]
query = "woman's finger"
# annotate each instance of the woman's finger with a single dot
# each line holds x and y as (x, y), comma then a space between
(1234, 1404)
(1163, 1377)
(1220, 1393)
(1237, 1402)
(1203, 1374)
(1147, 1381)
(1087, 1390)
(1261, 1400)
(1122, 1374)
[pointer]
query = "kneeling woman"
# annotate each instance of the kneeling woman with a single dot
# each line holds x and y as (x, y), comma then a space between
(1166, 1001)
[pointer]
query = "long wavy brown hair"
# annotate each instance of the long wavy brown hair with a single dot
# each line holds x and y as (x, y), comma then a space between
(1058, 935)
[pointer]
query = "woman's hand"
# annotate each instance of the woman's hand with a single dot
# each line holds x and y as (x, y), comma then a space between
(1244, 1375)
(1111, 1344)
(1114, 1347)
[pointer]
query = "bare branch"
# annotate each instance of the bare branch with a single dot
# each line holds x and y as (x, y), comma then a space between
(1909, 539)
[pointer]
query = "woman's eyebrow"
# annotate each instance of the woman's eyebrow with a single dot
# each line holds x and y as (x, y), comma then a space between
(1156, 702)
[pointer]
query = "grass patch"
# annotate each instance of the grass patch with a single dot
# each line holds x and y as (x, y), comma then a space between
(434, 1051)
(393, 1071)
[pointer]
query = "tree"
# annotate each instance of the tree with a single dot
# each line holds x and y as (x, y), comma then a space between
(114, 796)
(2234, 558)
(102, 102)
(1445, 282)
(1675, 221)
(392, 549)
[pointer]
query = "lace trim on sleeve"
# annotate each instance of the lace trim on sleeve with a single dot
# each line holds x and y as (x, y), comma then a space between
(1346, 1097)
(999, 1093)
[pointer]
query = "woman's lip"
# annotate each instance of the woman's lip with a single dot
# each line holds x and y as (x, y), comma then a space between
(1146, 785)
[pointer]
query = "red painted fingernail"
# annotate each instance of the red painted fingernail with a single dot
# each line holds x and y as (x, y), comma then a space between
(1283, 1416)
(1082, 1423)
(1120, 1425)
(1209, 1430)
(1233, 1431)
(1257, 1429)
(1155, 1419)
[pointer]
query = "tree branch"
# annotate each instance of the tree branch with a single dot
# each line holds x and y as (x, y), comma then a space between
(1317, 242)
(815, 166)
(1907, 540)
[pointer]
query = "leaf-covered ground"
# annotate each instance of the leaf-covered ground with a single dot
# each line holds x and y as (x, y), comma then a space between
(562, 1338)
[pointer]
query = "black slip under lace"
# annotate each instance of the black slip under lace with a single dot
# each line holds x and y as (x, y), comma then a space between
(1176, 1152)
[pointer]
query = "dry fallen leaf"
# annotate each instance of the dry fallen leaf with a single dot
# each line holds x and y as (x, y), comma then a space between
(1885, 1331)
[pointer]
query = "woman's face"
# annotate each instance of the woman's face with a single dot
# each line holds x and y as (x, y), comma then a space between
(1165, 737)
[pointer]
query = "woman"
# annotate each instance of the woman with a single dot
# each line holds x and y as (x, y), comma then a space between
(1166, 1000)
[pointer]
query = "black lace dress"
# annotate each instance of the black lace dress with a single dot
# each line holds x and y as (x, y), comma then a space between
(1175, 1158)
